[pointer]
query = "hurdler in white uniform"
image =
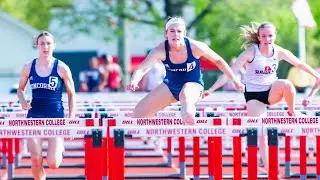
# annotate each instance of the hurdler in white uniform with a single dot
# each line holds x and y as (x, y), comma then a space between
(260, 74)
(261, 58)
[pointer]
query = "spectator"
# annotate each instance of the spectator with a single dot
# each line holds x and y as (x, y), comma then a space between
(94, 79)
(113, 74)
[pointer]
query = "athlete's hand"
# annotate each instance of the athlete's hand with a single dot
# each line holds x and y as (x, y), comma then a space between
(206, 93)
(238, 85)
(306, 101)
(26, 106)
(132, 86)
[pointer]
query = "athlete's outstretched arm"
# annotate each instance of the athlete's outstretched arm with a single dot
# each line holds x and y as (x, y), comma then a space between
(209, 54)
(314, 90)
(153, 57)
(244, 57)
(292, 59)
(68, 81)
(24, 76)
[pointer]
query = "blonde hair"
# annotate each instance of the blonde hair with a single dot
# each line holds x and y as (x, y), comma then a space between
(42, 33)
(177, 19)
(251, 33)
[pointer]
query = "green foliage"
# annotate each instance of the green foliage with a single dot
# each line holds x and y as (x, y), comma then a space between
(221, 27)
(33, 12)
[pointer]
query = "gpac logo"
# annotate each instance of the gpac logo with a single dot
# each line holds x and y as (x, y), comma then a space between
(267, 69)
(191, 66)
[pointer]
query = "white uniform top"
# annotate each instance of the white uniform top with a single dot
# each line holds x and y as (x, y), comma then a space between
(261, 72)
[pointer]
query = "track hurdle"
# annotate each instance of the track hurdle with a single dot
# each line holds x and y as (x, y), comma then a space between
(45, 123)
(215, 171)
(293, 130)
(50, 132)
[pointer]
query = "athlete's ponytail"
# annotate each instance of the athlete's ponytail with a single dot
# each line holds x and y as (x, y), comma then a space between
(251, 33)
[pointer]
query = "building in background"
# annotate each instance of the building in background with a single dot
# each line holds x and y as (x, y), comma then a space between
(16, 49)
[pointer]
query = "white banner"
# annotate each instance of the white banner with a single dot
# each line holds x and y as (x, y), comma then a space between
(165, 121)
(46, 122)
(185, 131)
(49, 132)
(302, 130)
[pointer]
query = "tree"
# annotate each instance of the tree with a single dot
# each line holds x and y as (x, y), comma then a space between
(106, 14)
(36, 13)
(221, 27)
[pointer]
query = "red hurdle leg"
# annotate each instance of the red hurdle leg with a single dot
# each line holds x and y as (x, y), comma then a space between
(287, 152)
(10, 158)
(217, 153)
(318, 157)
(89, 171)
(273, 154)
(112, 160)
(303, 157)
(182, 157)
(252, 142)
(16, 151)
(169, 151)
(210, 158)
(196, 158)
(119, 154)
(237, 160)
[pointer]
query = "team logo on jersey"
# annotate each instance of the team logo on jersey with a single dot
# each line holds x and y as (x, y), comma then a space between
(53, 81)
(267, 69)
(167, 65)
(191, 66)
(31, 78)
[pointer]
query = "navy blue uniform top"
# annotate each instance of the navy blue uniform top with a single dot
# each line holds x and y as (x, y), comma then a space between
(46, 93)
(179, 74)
(93, 79)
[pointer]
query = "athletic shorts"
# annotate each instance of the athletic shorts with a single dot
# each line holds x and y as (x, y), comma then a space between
(262, 96)
(35, 115)
(175, 89)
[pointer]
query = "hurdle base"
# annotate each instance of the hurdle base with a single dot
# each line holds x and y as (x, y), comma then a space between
(16, 160)
(303, 177)
(10, 171)
(196, 178)
(4, 161)
(169, 159)
(182, 166)
(287, 169)
(309, 175)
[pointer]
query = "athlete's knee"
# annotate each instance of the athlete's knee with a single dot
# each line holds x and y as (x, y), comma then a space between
(289, 86)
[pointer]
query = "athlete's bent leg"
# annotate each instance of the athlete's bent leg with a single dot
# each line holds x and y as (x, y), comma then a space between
(35, 149)
(283, 88)
(156, 100)
(190, 94)
(55, 152)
